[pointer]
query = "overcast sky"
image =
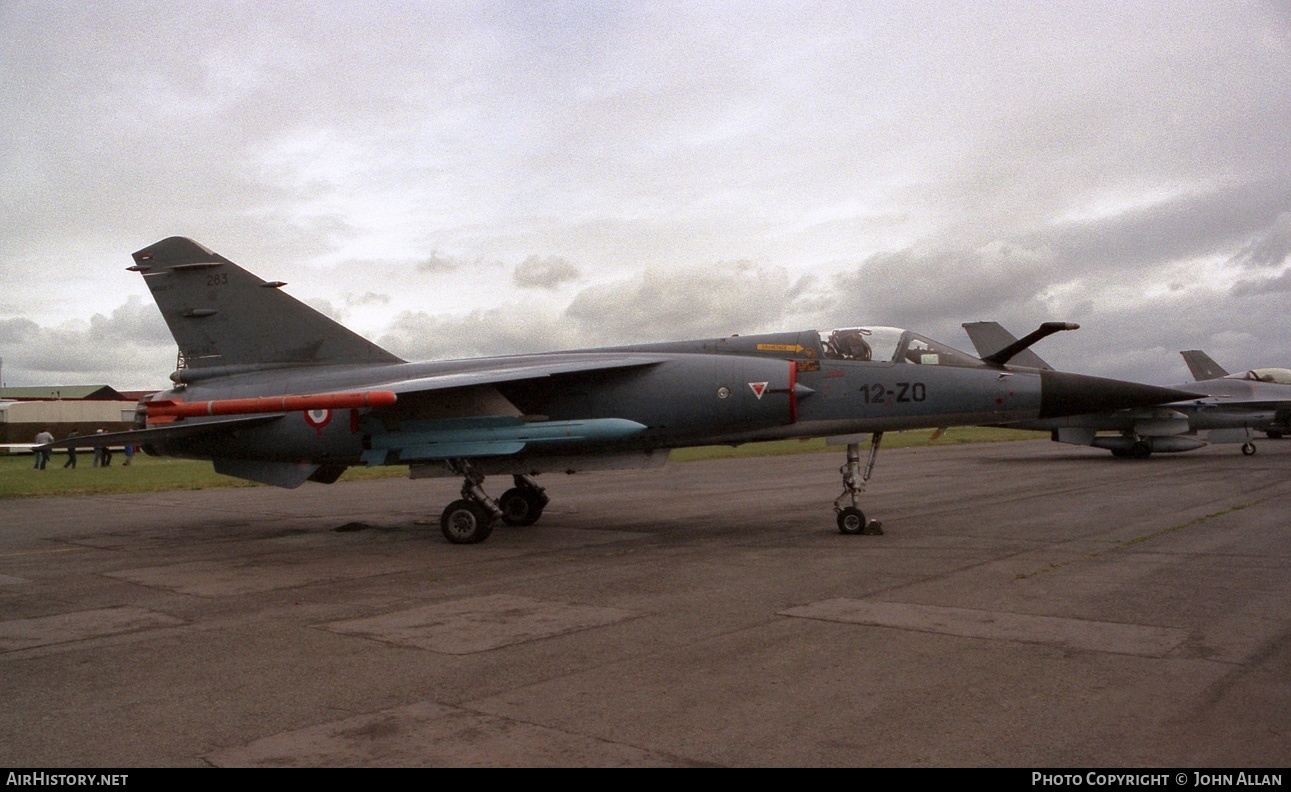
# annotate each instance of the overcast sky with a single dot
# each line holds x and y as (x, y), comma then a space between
(454, 179)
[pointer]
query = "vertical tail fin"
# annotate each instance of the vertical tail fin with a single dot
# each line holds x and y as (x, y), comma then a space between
(223, 316)
(1201, 366)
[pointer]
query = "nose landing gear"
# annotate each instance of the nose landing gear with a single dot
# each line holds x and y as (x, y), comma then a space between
(851, 520)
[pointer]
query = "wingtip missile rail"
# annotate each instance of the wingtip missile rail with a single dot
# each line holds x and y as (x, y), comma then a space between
(170, 409)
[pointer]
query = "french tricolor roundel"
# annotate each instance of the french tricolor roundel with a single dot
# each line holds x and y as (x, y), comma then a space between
(318, 418)
(759, 388)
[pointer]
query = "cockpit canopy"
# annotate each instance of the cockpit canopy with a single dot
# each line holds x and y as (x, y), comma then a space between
(891, 345)
(1280, 376)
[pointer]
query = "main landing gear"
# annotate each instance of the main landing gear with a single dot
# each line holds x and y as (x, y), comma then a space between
(1138, 450)
(470, 520)
(851, 520)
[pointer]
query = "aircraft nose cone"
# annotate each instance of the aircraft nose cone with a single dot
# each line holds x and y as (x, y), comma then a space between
(1076, 394)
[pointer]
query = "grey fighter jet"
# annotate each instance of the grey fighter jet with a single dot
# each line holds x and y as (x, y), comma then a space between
(1232, 407)
(1268, 387)
(272, 391)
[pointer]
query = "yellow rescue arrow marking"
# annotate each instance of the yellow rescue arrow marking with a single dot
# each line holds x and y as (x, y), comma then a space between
(781, 348)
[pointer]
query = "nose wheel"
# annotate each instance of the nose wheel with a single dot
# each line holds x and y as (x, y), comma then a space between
(851, 520)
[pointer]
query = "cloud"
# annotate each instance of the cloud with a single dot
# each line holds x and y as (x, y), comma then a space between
(368, 298)
(17, 331)
(658, 305)
(726, 298)
(920, 168)
(325, 307)
(1275, 285)
(925, 289)
(128, 349)
(537, 272)
(506, 330)
(437, 262)
(1271, 248)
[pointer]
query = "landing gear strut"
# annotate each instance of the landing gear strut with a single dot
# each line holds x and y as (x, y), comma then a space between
(851, 520)
(470, 520)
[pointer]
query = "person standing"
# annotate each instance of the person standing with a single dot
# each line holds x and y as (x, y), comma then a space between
(129, 452)
(98, 452)
(42, 455)
(71, 453)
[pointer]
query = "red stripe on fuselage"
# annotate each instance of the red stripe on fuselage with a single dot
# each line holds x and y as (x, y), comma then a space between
(793, 396)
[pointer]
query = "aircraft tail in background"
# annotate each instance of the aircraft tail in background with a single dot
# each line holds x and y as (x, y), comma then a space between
(1201, 366)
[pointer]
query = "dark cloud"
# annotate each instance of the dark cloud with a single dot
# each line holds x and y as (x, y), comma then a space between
(537, 272)
(1276, 285)
(1144, 344)
(1187, 226)
(921, 289)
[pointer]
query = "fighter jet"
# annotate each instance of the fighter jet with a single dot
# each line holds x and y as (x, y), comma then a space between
(1272, 386)
(271, 390)
(1230, 409)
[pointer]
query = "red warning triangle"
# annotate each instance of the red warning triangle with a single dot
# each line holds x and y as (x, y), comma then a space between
(759, 388)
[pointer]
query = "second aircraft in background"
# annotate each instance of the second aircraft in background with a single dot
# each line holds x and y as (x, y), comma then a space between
(1233, 408)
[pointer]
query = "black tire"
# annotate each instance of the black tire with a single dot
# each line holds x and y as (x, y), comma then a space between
(466, 522)
(521, 506)
(1248, 449)
(1121, 453)
(1273, 434)
(1140, 450)
(851, 521)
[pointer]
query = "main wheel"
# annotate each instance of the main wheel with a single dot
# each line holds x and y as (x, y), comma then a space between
(851, 521)
(1140, 450)
(1248, 448)
(1273, 434)
(521, 506)
(466, 522)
